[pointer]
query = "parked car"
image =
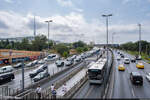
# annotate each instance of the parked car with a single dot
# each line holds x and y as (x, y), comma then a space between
(6, 77)
(126, 60)
(6, 69)
(136, 78)
(51, 57)
(41, 76)
(148, 77)
(18, 65)
(133, 59)
(59, 63)
(38, 70)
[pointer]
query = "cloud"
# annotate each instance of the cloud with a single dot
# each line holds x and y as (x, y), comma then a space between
(9, 1)
(68, 28)
(68, 3)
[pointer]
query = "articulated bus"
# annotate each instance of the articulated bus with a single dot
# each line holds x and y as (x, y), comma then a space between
(96, 71)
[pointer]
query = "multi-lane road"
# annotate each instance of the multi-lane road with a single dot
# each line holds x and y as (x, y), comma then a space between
(90, 90)
(121, 86)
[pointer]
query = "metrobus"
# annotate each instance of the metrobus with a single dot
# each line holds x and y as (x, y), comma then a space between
(96, 71)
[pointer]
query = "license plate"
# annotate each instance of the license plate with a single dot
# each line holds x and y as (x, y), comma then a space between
(137, 81)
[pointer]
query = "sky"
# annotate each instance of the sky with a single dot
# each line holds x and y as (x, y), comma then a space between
(75, 20)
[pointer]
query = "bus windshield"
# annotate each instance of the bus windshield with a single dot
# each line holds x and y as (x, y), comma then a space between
(94, 73)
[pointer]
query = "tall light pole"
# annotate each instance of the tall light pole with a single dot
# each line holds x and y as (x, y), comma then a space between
(139, 39)
(113, 38)
(107, 32)
(48, 30)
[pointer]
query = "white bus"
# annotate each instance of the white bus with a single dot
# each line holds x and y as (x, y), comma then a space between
(96, 71)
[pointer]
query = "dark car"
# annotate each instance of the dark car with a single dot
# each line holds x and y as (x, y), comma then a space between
(133, 59)
(41, 76)
(37, 71)
(136, 78)
(18, 65)
(6, 77)
(122, 56)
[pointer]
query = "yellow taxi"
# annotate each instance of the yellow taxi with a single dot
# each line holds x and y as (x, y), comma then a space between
(121, 67)
(140, 65)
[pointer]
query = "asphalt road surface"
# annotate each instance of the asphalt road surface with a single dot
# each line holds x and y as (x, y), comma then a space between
(122, 86)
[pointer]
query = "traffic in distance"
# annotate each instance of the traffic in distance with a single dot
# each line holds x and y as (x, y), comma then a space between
(7, 73)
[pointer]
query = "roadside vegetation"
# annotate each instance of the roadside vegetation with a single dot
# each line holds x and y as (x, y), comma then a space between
(40, 43)
(133, 48)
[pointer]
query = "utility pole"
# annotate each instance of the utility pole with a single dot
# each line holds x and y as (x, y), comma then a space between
(22, 75)
(34, 27)
(139, 39)
(48, 31)
(113, 38)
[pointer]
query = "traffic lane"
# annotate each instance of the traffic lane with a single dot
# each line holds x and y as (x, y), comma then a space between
(140, 91)
(122, 89)
(54, 79)
(91, 90)
(17, 82)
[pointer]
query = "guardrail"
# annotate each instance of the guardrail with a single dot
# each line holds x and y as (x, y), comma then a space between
(47, 93)
(107, 77)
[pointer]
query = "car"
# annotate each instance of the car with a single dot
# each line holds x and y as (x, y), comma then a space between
(121, 67)
(38, 70)
(122, 56)
(138, 57)
(35, 62)
(118, 58)
(68, 63)
(133, 59)
(140, 65)
(18, 65)
(41, 76)
(148, 77)
(136, 78)
(41, 62)
(6, 69)
(78, 59)
(59, 63)
(126, 61)
(6, 77)
(118, 52)
(29, 64)
(51, 57)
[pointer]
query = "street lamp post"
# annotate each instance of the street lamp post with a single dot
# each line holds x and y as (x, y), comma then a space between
(139, 39)
(107, 44)
(113, 39)
(48, 30)
(107, 32)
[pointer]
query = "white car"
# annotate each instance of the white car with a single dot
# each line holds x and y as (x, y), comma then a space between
(126, 60)
(6, 69)
(41, 62)
(118, 58)
(148, 77)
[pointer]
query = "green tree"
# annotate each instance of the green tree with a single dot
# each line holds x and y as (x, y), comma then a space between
(61, 48)
(39, 43)
(65, 54)
(79, 44)
(79, 49)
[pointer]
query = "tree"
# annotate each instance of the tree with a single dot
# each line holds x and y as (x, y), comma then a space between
(61, 48)
(79, 49)
(25, 44)
(65, 54)
(39, 43)
(79, 44)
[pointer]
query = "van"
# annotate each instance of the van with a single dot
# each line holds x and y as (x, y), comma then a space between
(6, 69)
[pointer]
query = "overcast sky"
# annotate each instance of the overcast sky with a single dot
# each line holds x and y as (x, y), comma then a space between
(76, 19)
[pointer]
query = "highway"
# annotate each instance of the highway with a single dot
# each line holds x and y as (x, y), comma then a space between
(121, 84)
(91, 91)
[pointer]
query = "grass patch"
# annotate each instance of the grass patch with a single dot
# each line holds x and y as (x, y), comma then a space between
(143, 55)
